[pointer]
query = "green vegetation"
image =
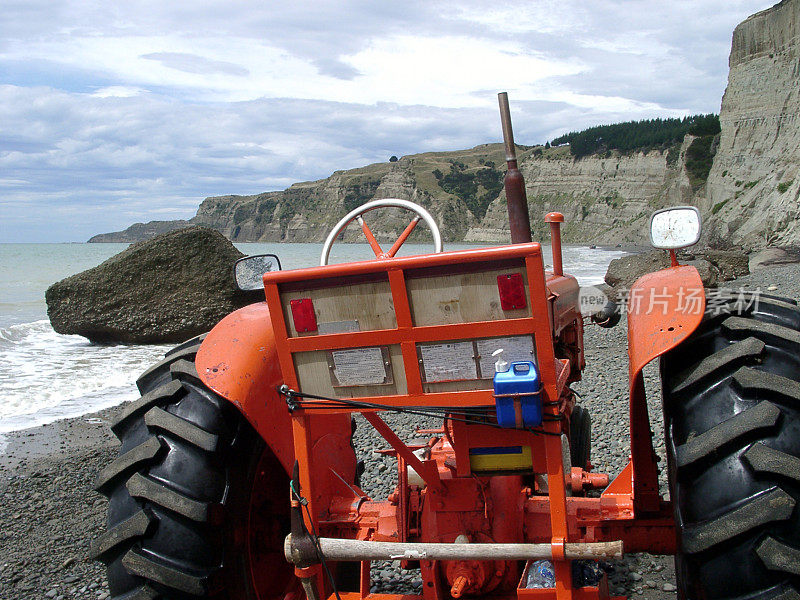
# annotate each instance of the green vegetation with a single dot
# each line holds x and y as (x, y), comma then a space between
(750, 184)
(698, 160)
(476, 187)
(718, 206)
(673, 153)
(638, 135)
(359, 193)
(782, 187)
(266, 207)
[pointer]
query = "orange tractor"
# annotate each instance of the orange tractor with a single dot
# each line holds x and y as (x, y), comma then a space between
(237, 476)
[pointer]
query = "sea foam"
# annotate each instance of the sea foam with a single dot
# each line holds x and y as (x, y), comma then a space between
(45, 376)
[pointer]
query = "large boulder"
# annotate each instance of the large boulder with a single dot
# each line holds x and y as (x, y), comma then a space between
(622, 272)
(163, 290)
(770, 257)
(730, 263)
(713, 265)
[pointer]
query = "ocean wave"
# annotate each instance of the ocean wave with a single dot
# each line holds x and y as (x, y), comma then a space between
(45, 376)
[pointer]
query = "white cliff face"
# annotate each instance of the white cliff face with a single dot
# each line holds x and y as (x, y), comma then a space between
(604, 200)
(308, 211)
(753, 190)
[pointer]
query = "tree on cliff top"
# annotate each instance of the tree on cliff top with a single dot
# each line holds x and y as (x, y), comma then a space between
(638, 135)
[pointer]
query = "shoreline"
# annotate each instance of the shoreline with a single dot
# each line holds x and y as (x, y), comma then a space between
(83, 433)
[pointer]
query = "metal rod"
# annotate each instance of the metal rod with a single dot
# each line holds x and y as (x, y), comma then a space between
(343, 549)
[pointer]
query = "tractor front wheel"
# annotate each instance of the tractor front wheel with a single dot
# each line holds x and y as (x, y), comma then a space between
(732, 410)
(197, 502)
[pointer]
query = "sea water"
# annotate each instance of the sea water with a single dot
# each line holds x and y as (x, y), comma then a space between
(45, 376)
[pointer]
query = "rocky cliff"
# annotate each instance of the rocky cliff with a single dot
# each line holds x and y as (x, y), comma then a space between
(140, 231)
(307, 211)
(750, 197)
(606, 199)
(754, 184)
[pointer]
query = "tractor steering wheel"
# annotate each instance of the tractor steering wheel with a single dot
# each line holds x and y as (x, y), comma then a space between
(421, 213)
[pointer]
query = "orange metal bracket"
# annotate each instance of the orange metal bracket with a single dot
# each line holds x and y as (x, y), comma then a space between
(427, 470)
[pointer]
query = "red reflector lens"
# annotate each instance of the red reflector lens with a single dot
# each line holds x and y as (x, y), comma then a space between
(303, 315)
(512, 291)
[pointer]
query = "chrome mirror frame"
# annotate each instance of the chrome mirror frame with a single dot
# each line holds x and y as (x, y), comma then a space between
(255, 285)
(684, 244)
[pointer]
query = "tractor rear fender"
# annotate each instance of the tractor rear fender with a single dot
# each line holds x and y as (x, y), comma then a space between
(238, 360)
(664, 308)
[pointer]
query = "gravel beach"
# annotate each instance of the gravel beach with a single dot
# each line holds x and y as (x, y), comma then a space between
(50, 513)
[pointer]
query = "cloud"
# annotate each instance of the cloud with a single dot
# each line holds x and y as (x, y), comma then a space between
(118, 91)
(335, 68)
(121, 112)
(192, 63)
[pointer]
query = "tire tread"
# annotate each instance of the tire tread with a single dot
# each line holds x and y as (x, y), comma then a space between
(133, 527)
(754, 380)
(142, 487)
(163, 394)
(735, 353)
(166, 575)
(126, 463)
(146, 379)
(761, 417)
(779, 556)
(773, 505)
(752, 327)
(158, 418)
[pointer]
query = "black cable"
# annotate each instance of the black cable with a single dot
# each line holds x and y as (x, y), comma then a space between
(432, 412)
(315, 539)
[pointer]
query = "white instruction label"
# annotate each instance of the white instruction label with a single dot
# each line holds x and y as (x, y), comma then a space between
(338, 327)
(449, 361)
(359, 366)
(516, 348)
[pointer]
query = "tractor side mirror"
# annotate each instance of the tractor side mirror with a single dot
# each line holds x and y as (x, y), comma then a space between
(673, 228)
(248, 270)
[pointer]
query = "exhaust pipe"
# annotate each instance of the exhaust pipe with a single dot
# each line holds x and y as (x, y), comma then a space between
(517, 200)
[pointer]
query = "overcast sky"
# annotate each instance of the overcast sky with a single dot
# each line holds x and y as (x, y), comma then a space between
(113, 113)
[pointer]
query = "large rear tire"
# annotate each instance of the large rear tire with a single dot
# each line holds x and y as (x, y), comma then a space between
(732, 427)
(197, 502)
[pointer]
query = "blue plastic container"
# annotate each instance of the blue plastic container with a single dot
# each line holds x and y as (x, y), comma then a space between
(521, 383)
